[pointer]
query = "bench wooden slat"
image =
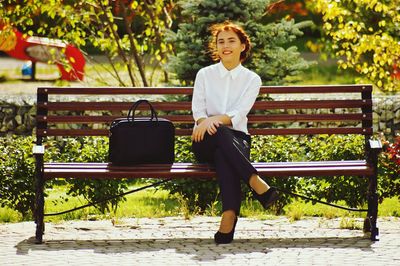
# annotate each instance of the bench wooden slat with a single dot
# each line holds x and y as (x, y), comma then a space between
(90, 165)
(308, 117)
(181, 170)
(111, 106)
(173, 106)
(92, 119)
(310, 131)
(189, 90)
(311, 104)
(115, 91)
(92, 132)
(301, 89)
(188, 132)
(187, 173)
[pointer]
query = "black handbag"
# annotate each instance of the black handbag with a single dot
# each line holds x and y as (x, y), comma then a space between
(141, 140)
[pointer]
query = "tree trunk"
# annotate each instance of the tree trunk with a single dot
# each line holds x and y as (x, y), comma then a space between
(136, 56)
(120, 50)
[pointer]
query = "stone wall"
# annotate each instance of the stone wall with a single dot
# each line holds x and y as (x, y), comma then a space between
(387, 115)
(17, 115)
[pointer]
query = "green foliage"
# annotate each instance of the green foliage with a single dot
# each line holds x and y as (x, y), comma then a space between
(199, 194)
(350, 223)
(17, 171)
(17, 175)
(269, 59)
(365, 33)
(91, 149)
(352, 190)
(390, 169)
(8, 215)
(124, 30)
(278, 149)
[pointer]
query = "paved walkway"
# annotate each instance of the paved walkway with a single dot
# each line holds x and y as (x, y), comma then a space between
(175, 241)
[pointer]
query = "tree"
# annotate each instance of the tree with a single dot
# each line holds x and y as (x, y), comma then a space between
(125, 30)
(269, 58)
(365, 34)
(390, 168)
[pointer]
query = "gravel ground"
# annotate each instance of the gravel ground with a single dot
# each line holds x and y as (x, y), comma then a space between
(175, 241)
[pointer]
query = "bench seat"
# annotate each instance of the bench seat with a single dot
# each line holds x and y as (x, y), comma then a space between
(195, 170)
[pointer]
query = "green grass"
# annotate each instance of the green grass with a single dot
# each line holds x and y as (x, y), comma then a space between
(158, 203)
(145, 203)
(8, 215)
(390, 207)
(318, 210)
(350, 223)
(325, 74)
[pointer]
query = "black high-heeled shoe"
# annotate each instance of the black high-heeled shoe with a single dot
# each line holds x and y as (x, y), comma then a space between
(267, 198)
(225, 238)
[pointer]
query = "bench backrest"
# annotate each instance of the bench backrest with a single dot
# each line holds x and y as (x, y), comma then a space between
(279, 110)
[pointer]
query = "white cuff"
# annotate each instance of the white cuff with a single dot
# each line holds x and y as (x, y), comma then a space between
(235, 120)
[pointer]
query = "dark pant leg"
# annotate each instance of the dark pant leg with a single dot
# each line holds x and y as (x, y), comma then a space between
(235, 146)
(229, 150)
(204, 150)
(229, 183)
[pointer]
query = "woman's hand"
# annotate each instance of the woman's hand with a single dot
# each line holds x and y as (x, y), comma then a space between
(209, 125)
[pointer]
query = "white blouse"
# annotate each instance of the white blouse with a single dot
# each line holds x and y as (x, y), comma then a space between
(218, 91)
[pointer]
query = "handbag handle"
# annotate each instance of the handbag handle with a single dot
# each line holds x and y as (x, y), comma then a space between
(132, 110)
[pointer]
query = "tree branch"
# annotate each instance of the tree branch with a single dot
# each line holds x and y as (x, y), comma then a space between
(120, 50)
(136, 56)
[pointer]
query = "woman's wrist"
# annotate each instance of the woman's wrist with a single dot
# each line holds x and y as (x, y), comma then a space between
(198, 122)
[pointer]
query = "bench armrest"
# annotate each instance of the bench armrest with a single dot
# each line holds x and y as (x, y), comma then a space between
(375, 145)
(38, 149)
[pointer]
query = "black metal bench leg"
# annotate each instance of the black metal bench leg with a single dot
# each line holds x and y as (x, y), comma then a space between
(373, 149)
(372, 216)
(39, 206)
(370, 223)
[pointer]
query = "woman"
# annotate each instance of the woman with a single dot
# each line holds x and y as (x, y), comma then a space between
(223, 95)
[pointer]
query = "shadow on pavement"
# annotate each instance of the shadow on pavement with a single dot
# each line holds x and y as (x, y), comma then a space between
(199, 249)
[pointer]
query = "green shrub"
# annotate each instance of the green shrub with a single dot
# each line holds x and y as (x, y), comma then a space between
(17, 174)
(203, 194)
(278, 149)
(352, 190)
(17, 171)
(91, 149)
(199, 194)
(281, 149)
(389, 170)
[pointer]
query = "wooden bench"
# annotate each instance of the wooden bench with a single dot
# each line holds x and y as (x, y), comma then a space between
(73, 112)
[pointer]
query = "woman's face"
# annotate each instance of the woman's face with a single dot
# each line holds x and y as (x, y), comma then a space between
(229, 47)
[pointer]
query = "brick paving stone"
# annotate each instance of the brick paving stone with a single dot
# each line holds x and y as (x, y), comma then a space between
(176, 241)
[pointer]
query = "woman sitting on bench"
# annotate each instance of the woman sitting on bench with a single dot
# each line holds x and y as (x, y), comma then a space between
(223, 96)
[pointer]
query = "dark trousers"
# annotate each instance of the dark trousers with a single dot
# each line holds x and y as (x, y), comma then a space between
(229, 151)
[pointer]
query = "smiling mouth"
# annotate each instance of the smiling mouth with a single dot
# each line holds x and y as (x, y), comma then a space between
(226, 52)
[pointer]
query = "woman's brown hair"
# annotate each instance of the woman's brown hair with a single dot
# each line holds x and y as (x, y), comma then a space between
(226, 26)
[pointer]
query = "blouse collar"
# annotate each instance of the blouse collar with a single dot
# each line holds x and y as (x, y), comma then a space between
(234, 73)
